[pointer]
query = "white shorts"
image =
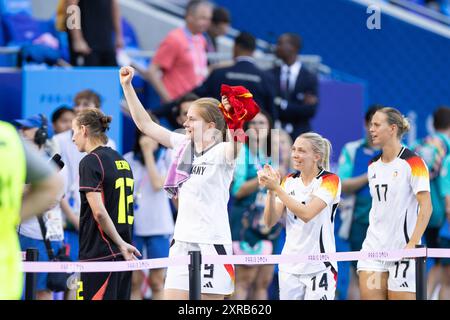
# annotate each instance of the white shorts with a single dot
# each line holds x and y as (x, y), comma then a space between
(315, 286)
(215, 278)
(402, 273)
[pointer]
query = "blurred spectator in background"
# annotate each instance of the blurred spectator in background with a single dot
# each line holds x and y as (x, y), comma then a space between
(249, 234)
(62, 119)
(176, 111)
(285, 142)
(444, 235)
(434, 149)
(100, 34)
(45, 49)
(296, 88)
(244, 72)
(153, 221)
(180, 63)
(21, 164)
(433, 4)
(220, 24)
(35, 131)
(355, 205)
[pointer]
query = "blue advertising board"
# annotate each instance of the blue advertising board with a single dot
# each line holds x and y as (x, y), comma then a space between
(45, 89)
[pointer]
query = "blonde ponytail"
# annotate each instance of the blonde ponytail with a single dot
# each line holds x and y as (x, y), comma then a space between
(321, 146)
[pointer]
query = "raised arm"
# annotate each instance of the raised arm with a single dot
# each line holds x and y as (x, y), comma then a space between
(140, 117)
(233, 145)
(148, 147)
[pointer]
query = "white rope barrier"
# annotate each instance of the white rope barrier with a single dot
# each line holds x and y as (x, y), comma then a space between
(116, 266)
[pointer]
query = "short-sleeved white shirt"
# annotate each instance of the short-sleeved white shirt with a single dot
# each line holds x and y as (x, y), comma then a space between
(317, 235)
(393, 187)
(203, 198)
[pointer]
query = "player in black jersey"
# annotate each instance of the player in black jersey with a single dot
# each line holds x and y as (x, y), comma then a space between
(106, 214)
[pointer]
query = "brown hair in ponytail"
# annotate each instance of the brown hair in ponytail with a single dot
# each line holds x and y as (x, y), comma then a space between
(96, 122)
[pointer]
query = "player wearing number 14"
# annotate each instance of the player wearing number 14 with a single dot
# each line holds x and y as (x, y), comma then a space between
(106, 217)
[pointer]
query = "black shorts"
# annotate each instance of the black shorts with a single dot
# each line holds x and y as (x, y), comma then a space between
(104, 286)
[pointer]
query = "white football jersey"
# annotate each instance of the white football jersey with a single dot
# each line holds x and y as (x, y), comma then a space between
(203, 198)
(393, 187)
(317, 235)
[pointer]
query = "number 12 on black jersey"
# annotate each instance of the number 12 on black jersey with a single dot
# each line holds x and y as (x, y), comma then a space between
(124, 203)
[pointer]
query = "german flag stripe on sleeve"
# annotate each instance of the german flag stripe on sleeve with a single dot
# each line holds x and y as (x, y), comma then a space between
(418, 168)
(283, 181)
(330, 182)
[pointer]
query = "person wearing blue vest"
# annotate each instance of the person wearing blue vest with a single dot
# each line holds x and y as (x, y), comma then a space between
(434, 149)
(353, 164)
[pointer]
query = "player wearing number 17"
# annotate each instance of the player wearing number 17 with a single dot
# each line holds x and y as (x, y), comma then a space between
(401, 208)
(106, 217)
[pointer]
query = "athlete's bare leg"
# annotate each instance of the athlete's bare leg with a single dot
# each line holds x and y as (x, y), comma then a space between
(212, 296)
(176, 294)
(262, 283)
(245, 277)
(156, 279)
(373, 285)
(444, 294)
(136, 283)
(398, 295)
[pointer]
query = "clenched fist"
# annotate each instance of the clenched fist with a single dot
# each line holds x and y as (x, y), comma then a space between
(126, 75)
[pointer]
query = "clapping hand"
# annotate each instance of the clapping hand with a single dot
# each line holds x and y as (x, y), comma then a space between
(269, 178)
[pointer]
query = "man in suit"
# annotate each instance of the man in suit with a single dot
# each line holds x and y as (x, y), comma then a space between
(244, 72)
(296, 88)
